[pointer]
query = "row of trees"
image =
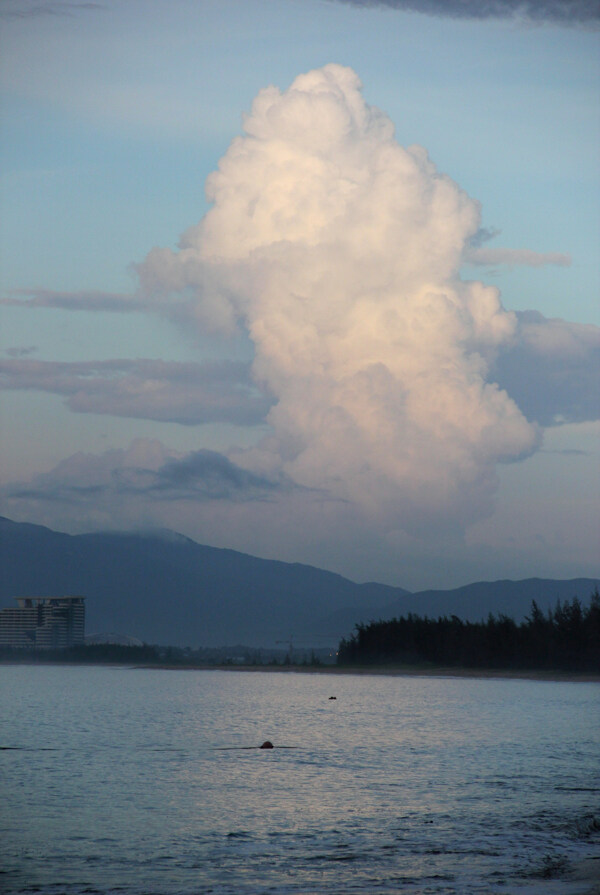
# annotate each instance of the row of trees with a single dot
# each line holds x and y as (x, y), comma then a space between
(567, 638)
(114, 653)
(85, 654)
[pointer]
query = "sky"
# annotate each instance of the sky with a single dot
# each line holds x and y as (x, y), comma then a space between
(316, 280)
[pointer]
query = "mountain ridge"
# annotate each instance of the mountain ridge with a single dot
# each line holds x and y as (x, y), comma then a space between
(163, 587)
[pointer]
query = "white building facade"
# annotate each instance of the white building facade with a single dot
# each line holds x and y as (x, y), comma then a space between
(43, 623)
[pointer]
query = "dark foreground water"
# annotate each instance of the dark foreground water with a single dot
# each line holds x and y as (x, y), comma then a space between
(141, 781)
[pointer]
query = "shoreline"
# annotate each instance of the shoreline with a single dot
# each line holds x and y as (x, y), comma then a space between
(531, 674)
(396, 671)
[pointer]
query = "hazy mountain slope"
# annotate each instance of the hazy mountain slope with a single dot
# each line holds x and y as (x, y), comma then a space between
(165, 588)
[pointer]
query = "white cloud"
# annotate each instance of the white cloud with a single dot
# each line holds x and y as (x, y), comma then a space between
(339, 251)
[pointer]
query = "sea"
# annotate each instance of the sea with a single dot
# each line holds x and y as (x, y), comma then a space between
(147, 781)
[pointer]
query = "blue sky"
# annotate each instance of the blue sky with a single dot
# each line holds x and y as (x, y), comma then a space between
(113, 115)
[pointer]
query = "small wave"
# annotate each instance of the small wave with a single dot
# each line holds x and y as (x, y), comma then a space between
(577, 788)
(552, 867)
(245, 748)
(587, 825)
(27, 749)
(333, 857)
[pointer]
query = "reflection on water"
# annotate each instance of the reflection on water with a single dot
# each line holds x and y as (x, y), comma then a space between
(152, 781)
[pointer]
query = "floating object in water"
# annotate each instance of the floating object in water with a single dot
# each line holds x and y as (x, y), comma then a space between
(333, 697)
(267, 745)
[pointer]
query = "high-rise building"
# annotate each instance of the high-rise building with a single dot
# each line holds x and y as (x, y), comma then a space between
(43, 623)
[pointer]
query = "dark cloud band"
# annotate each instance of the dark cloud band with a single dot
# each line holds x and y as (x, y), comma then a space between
(74, 301)
(16, 9)
(557, 12)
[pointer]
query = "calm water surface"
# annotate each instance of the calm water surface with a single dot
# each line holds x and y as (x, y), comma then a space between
(141, 781)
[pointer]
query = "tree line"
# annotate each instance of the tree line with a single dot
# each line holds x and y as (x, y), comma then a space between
(90, 653)
(147, 654)
(566, 638)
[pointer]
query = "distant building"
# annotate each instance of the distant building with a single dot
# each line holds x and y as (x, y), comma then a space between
(43, 623)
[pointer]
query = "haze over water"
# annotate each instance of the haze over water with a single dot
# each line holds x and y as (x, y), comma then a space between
(142, 781)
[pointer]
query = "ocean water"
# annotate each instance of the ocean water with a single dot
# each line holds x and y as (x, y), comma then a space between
(149, 781)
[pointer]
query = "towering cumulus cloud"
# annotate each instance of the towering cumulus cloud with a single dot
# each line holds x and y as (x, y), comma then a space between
(338, 250)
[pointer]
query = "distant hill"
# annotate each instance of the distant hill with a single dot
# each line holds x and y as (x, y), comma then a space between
(164, 588)
(474, 602)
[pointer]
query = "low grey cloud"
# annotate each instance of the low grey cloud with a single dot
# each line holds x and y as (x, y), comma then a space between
(566, 452)
(477, 252)
(138, 477)
(74, 301)
(210, 475)
(185, 393)
(483, 235)
(21, 350)
(180, 308)
(490, 257)
(16, 9)
(552, 369)
(557, 12)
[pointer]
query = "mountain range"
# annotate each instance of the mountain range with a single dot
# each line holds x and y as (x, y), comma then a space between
(164, 588)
